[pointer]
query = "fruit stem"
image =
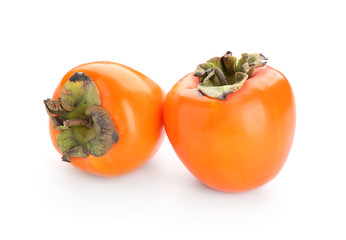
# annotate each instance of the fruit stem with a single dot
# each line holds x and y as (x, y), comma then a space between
(78, 122)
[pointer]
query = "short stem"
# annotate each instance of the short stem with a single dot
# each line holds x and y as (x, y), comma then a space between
(78, 122)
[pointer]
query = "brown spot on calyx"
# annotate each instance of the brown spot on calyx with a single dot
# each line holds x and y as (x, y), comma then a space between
(115, 137)
(79, 77)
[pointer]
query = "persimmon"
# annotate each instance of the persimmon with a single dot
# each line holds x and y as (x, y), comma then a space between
(232, 122)
(106, 118)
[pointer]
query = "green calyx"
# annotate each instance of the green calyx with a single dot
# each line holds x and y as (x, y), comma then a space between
(86, 127)
(220, 76)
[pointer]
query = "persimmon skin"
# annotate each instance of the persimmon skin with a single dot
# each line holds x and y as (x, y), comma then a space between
(237, 144)
(135, 105)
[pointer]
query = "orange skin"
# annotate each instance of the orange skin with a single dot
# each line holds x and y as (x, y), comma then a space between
(236, 144)
(135, 105)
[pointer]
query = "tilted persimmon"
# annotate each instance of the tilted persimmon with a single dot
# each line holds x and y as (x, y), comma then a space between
(106, 118)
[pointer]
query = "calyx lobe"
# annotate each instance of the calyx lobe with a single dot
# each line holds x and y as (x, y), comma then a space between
(86, 127)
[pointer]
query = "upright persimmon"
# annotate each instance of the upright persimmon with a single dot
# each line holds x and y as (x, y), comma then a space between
(232, 122)
(106, 118)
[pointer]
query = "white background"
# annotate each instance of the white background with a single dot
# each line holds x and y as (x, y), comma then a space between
(44, 198)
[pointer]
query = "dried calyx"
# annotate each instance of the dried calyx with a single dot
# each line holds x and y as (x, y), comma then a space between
(220, 76)
(86, 127)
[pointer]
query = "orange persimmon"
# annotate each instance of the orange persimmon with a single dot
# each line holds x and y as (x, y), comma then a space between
(232, 122)
(106, 118)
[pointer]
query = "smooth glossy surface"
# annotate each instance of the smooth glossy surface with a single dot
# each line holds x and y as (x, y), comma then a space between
(135, 105)
(237, 144)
